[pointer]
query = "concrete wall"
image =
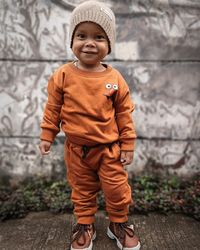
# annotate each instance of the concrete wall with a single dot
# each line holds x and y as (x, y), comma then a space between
(157, 51)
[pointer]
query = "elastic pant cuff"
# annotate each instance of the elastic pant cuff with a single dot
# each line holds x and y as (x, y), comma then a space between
(121, 219)
(86, 220)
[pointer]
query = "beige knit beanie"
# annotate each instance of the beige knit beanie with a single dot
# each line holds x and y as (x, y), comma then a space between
(97, 12)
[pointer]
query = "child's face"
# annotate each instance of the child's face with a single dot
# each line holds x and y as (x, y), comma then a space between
(90, 44)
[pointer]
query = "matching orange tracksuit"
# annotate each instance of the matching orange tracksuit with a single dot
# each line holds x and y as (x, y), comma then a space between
(94, 111)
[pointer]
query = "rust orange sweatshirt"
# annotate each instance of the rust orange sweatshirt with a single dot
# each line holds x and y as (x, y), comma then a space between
(90, 107)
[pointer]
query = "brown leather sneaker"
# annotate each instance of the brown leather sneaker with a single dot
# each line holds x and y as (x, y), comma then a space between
(82, 237)
(124, 235)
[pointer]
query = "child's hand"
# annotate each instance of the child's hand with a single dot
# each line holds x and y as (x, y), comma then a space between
(45, 147)
(126, 157)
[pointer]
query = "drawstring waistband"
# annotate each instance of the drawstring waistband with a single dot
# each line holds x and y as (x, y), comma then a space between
(86, 149)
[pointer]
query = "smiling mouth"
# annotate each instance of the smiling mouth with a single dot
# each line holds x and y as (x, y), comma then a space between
(89, 52)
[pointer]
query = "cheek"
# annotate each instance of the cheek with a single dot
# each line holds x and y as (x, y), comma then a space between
(76, 44)
(106, 48)
(75, 48)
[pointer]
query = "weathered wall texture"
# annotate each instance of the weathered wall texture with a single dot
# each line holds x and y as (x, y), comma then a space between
(157, 51)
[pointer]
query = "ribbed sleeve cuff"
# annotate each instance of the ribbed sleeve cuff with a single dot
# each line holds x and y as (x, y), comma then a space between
(128, 145)
(47, 135)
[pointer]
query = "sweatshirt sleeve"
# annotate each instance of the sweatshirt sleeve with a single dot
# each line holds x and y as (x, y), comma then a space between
(51, 118)
(123, 111)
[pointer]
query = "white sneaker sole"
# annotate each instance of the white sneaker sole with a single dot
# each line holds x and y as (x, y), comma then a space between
(90, 246)
(113, 237)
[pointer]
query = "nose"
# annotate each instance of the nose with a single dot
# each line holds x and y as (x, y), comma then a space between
(90, 42)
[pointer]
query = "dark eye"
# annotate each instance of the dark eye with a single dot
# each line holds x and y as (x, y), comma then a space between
(100, 37)
(80, 36)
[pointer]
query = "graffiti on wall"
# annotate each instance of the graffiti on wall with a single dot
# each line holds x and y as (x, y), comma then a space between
(157, 51)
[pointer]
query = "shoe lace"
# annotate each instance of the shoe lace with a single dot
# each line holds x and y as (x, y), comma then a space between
(122, 230)
(78, 232)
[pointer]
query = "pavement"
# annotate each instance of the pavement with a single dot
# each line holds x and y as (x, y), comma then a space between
(47, 231)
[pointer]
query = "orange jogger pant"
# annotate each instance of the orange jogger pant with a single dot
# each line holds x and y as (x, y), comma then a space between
(100, 169)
